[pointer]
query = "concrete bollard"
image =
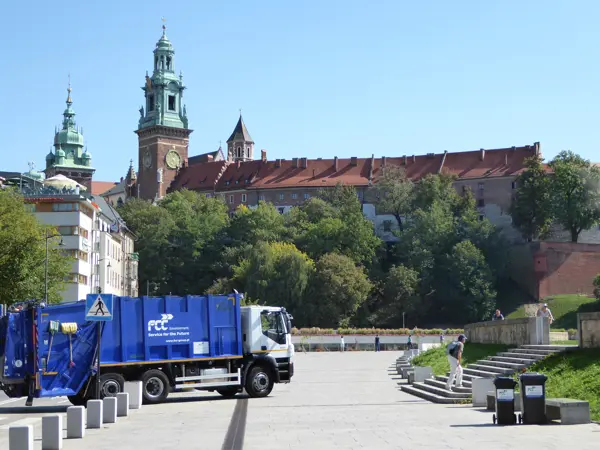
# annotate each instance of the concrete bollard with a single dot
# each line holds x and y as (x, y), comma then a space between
(480, 389)
(122, 404)
(134, 389)
(20, 437)
(52, 433)
(109, 410)
(94, 414)
(75, 422)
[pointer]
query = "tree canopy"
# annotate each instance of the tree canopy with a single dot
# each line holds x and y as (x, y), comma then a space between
(23, 254)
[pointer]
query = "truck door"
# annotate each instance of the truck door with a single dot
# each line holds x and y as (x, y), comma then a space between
(273, 331)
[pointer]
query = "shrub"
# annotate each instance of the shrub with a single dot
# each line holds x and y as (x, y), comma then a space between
(597, 286)
(316, 331)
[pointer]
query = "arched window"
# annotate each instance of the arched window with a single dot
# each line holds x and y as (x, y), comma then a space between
(239, 152)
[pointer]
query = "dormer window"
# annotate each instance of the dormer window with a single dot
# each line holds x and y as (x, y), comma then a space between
(171, 103)
(227, 183)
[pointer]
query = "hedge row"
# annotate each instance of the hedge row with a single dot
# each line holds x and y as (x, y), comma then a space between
(373, 331)
(558, 330)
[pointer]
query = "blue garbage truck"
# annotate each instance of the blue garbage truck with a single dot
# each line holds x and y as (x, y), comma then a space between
(168, 343)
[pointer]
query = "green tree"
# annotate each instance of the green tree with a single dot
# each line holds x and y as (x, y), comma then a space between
(575, 189)
(468, 293)
(274, 273)
(394, 194)
(400, 296)
(531, 208)
(338, 287)
(23, 254)
(261, 224)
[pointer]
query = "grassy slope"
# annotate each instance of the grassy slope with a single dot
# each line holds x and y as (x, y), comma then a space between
(564, 309)
(437, 359)
(573, 375)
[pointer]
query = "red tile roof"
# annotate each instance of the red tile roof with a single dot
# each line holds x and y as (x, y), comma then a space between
(100, 187)
(302, 172)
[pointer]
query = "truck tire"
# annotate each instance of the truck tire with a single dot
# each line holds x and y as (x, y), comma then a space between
(228, 392)
(77, 400)
(111, 384)
(259, 382)
(155, 386)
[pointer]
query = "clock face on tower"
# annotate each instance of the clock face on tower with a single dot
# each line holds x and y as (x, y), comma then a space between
(173, 159)
(147, 160)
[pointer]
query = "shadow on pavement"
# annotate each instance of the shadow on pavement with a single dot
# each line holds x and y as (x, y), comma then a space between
(33, 409)
(202, 398)
(476, 425)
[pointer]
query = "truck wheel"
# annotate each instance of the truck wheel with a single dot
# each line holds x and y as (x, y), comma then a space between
(155, 386)
(228, 392)
(111, 384)
(259, 382)
(77, 400)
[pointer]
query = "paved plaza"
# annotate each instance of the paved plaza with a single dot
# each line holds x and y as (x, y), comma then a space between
(336, 401)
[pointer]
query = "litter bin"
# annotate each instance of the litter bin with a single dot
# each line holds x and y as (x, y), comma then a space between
(533, 398)
(505, 401)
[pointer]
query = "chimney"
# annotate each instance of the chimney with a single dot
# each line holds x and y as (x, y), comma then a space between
(414, 159)
(371, 166)
(482, 154)
(335, 163)
(278, 163)
(303, 162)
(405, 159)
(383, 161)
(209, 158)
(295, 162)
(354, 161)
(263, 155)
(537, 148)
(506, 159)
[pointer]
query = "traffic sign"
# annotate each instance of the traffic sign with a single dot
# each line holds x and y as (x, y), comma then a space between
(99, 307)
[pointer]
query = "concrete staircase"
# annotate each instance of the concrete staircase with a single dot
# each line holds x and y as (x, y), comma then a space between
(503, 364)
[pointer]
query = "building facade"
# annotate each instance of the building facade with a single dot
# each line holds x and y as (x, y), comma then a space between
(101, 248)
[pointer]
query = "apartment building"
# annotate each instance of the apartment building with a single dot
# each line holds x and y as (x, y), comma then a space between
(93, 235)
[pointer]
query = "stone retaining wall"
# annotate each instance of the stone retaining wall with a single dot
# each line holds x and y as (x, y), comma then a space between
(588, 328)
(528, 331)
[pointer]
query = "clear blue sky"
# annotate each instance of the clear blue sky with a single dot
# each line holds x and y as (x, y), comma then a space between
(313, 78)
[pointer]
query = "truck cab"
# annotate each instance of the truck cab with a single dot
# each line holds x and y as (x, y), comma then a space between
(266, 335)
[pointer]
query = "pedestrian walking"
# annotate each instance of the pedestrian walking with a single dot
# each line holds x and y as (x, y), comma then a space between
(455, 351)
(342, 345)
(409, 344)
(377, 343)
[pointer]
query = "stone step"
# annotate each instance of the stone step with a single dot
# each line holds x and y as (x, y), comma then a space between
(531, 351)
(444, 379)
(411, 389)
(554, 348)
(505, 359)
(470, 377)
(521, 355)
(442, 385)
(442, 392)
(506, 365)
(479, 373)
(490, 368)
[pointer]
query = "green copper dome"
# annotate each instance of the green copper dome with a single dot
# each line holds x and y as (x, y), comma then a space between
(50, 156)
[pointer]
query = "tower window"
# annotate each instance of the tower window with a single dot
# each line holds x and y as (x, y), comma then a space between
(168, 63)
(171, 103)
(239, 152)
(151, 103)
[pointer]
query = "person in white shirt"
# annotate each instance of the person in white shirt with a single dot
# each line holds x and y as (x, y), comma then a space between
(544, 311)
(342, 343)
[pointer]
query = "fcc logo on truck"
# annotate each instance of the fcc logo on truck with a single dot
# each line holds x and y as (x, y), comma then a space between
(160, 325)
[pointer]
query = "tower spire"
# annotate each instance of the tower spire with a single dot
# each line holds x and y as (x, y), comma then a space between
(164, 27)
(69, 101)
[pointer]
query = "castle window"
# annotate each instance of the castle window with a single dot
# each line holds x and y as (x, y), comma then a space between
(243, 198)
(168, 63)
(171, 103)
(481, 203)
(231, 199)
(387, 225)
(281, 196)
(151, 102)
(294, 196)
(306, 196)
(261, 198)
(239, 152)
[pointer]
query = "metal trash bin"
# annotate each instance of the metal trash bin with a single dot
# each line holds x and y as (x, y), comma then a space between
(505, 401)
(533, 398)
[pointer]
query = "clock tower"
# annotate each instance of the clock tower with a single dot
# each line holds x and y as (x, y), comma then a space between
(163, 132)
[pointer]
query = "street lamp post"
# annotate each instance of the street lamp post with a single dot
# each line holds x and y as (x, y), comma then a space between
(403, 320)
(61, 244)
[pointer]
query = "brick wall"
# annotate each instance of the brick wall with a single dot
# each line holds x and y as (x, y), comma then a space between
(570, 268)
